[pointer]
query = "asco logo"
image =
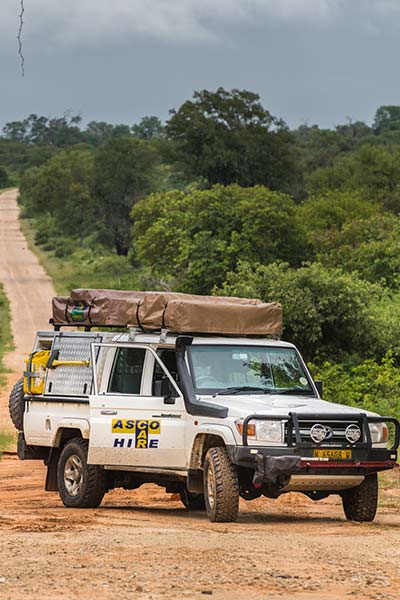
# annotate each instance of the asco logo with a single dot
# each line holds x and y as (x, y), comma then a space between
(140, 429)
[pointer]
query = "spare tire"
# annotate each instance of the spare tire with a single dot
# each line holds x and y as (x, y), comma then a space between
(16, 405)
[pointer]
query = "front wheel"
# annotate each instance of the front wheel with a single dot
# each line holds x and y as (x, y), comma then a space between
(361, 503)
(80, 485)
(221, 486)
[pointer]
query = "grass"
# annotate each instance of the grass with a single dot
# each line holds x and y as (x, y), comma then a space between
(5, 331)
(84, 268)
(7, 440)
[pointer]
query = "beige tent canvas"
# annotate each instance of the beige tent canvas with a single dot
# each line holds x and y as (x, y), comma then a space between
(178, 313)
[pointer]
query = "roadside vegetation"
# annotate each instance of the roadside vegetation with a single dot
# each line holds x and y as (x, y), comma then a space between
(5, 331)
(5, 336)
(225, 198)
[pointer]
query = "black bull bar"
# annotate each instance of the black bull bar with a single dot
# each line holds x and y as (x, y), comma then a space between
(295, 441)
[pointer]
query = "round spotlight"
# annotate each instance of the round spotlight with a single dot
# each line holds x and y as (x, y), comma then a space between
(353, 434)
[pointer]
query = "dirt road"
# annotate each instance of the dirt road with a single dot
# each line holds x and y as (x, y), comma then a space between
(28, 287)
(143, 544)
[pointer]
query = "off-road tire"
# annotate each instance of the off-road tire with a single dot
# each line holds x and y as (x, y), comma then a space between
(222, 501)
(92, 486)
(16, 405)
(192, 501)
(360, 503)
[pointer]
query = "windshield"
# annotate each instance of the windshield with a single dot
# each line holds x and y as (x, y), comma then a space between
(248, 369)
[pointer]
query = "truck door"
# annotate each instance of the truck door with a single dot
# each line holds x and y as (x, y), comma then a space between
(131, 423)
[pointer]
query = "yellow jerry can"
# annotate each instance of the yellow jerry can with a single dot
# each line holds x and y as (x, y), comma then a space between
(35, 372)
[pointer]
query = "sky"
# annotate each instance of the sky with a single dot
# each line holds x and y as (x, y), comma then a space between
(311, 61)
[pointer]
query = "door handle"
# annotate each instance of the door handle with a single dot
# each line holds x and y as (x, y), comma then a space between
(108, 412)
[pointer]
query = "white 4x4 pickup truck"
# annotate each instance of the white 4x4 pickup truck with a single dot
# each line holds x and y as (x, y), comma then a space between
(211, 418)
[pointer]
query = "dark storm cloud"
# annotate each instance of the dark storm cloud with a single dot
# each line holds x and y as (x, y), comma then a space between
(117, 60)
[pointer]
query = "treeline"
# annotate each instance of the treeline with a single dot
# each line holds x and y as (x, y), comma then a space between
(224, 198)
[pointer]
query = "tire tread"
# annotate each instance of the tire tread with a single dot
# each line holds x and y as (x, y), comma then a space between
(227, 486)
(360, 503)
(16, 405)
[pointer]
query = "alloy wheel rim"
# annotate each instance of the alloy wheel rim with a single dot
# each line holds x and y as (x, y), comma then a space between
(210, 488)
(73, 475)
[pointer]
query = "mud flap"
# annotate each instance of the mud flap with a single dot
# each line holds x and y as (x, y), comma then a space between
(51, 476)
(25, 452)
(275, 470)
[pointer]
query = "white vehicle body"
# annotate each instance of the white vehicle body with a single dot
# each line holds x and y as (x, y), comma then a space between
(147, 435)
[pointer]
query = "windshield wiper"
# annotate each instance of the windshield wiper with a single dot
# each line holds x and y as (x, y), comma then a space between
(295, 390)
(242, 388)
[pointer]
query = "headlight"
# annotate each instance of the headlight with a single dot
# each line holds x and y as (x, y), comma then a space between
(379, 433)
(264, 431)
(269, 431)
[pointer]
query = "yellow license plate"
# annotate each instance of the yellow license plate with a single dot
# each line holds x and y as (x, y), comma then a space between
(333, 454)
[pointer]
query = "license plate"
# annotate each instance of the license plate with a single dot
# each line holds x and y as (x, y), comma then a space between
(331, 453)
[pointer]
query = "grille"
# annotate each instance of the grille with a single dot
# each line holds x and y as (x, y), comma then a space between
(337, 433)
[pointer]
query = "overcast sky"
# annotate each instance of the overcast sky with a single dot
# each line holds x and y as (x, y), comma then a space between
(314, 61)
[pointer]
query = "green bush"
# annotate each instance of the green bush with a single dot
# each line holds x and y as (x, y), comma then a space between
(5, 180)
(331, 210)
(193, 239)
(373, 171)
(371, 247)
(326, 312)
(371, 385)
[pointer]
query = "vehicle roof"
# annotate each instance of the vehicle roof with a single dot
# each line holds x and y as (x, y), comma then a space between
(169, 340)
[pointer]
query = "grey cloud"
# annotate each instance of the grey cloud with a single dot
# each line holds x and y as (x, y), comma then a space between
(177, 21)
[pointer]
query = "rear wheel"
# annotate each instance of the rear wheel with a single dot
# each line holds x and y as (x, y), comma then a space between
(221, 486)
(360, 503)
(80, 485)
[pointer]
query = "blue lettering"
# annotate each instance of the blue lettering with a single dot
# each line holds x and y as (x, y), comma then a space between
(153, 444)
(119, 443)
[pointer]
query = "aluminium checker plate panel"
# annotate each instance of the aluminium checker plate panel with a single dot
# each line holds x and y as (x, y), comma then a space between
(71, 380)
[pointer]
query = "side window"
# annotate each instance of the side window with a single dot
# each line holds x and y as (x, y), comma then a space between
(127, 371)
(168, 357)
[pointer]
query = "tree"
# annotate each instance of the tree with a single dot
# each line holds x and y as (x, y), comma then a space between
(368, 246)
(327, 313)
(58, 131)
(330, 210)
(373, 171)
(4, 177)
(62, 188)
(148, 128)
(123, 174)
(228, 137)
(387, 118)
(193, 239)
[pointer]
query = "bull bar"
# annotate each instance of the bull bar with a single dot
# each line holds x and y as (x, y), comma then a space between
(293, 418)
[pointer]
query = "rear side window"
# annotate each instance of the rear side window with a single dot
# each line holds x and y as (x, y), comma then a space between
(127, 371)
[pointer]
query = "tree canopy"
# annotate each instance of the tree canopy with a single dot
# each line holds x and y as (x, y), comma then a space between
(229, 137)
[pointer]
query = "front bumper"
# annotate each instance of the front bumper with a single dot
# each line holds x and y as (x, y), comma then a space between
(275, 465)
(362, 463)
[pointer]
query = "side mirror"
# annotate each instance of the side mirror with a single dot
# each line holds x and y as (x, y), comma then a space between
(168, 392)
(318, 385)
